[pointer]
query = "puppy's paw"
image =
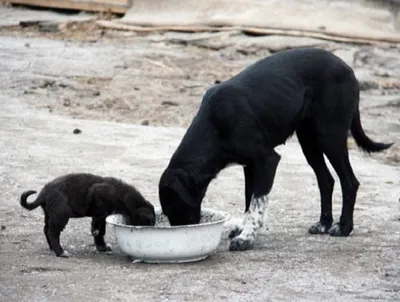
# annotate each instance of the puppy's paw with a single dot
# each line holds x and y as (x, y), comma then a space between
(241, 244)
(104, 248)
(318, 229)
(338, 230)
(235, 231)
(64, 254)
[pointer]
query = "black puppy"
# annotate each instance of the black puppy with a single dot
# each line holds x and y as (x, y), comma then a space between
(87, 195)
(240, 121)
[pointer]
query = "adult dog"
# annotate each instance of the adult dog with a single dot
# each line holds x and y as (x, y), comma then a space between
(240, 121)
(87, 195)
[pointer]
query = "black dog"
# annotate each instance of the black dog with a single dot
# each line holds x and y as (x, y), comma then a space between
(87, 195)
(240, 121)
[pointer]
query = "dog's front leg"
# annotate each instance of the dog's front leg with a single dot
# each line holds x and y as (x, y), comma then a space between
(253, 221)
(248, 170)
(264, 171)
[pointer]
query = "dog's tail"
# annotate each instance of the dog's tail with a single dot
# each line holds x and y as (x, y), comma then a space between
(362, 140)
(30, 206)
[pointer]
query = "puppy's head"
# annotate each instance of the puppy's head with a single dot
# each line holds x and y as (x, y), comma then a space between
(138, 210)
(180, 197)
(144, 215)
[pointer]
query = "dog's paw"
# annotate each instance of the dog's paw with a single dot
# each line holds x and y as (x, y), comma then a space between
(64, 254)
(241, 244)
(236, 231)
(104, 248)
(337, 230)
(95, 232)
(317, 229)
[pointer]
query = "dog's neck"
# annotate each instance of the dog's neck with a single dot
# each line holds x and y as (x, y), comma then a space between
(199, 162)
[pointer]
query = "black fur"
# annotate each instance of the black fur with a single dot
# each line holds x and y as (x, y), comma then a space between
(87, 195)
(308, 91)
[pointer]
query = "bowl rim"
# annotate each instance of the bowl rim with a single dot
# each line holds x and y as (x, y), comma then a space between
(226, 216)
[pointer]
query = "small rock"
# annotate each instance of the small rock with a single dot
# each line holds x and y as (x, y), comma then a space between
(367, 85)
(217, 82)
(145, 123)
(3, 227)
(47, 83)
(77, 131)
(169, 103)
(27, 45)
(136, 88)
(382, 73)
(96, 93)
(124, 66)
(67, 102)
(49, 27)
(62, 85)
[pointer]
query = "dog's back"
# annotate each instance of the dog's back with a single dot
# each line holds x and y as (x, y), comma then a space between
(276, 92)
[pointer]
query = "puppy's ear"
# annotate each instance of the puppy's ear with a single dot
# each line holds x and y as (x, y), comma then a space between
(146, 216)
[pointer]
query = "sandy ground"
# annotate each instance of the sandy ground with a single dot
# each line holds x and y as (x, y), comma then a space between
(132, 96)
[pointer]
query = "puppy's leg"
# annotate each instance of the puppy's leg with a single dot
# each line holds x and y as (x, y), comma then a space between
(98, 232)
(56, 226)
(58, 215)
(264, 174)
(313, 153)
(337, 153)
(46, 229)
(249, 190)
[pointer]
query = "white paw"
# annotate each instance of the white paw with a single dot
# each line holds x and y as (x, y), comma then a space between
(65, 254)
(241, 244)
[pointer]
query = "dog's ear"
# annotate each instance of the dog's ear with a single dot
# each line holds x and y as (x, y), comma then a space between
(103, 191)
(145, 216)
(183, 188)
(179, 183)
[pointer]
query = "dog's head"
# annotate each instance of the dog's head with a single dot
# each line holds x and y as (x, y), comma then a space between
(181, 196)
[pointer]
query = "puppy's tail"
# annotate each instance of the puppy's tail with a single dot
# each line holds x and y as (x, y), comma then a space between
(29, 206)
(362, 140)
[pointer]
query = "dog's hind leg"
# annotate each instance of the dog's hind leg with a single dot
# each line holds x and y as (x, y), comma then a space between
(264, 174)
(312, 151)
(337, 153)
(98, 231)
(249, 190)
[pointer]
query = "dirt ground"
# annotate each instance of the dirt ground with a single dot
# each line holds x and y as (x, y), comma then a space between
(133, 95)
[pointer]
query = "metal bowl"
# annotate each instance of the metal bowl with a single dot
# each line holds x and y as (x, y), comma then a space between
(163, 243)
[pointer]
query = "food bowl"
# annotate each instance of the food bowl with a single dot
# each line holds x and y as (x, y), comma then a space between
(163, 243)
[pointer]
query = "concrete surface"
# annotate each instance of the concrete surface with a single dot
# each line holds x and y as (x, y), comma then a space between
(287, 263)
(129, 79)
